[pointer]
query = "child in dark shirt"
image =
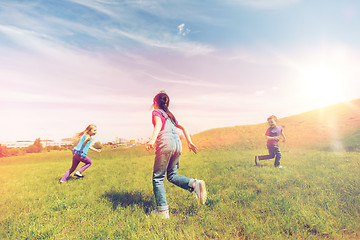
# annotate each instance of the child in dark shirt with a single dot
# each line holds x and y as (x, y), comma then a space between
(273, 136)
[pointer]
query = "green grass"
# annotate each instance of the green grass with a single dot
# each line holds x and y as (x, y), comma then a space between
(315, 196)
(352, 141)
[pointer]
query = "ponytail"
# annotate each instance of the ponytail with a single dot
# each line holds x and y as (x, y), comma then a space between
(77, 136)
(163, 101)
(171, 116)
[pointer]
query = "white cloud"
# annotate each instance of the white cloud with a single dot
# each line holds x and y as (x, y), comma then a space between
(30, 32)
(99, 6)
(260, 92)
(167, 42)
(182, 30)
(190, 82)
(265, 3)
(49, 98)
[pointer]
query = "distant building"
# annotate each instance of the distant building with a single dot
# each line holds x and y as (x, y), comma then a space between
(45, 143)
(66, 141)
(122, 141)
(17, 144)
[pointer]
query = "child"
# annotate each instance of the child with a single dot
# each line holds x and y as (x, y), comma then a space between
(167, 155)
(273, 137)
(80, 151)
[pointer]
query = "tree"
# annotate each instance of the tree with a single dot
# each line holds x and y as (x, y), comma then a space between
(36, 147)
(98, 145)
(3, 151)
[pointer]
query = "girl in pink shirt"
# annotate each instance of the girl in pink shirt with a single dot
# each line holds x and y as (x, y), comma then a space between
(167, 155)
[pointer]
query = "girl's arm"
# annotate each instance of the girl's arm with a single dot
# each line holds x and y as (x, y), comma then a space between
(158, 125)
(191, 145)
(95, 150)
(88, 139)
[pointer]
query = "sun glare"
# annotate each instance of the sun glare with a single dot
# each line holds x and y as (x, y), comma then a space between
(323, 86)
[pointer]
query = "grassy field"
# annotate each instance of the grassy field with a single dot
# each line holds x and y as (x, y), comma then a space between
(315, 196)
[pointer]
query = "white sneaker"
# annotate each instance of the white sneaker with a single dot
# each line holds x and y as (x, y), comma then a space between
(78, 174)
(200, 190)
(163, 214)
(61, 181)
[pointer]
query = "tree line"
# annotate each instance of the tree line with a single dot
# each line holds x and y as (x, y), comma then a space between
(36, 147)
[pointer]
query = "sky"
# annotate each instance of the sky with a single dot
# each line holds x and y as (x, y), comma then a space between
(69, 63)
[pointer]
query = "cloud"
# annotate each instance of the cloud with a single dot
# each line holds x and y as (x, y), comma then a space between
(151, 34)
(21, 95)
(190, 82)
(265, 3)
(260, 92)
(33, 41)
(167, 42)
(103, 6)
(182, 30)
(110, 26)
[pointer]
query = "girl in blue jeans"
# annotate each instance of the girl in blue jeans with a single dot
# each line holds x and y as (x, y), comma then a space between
(80, 151)
(167, 155)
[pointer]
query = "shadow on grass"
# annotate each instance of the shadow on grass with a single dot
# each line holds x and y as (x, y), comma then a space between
(125, 199)
(260, 166)
(69, 179)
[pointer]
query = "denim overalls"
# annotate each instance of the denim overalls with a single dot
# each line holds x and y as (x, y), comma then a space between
(167, 160)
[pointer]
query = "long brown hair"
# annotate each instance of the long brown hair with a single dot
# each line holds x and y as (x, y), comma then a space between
(163, 101)
(77, 136)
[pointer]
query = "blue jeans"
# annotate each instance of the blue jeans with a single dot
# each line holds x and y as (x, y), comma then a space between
(274, 152)
(167, 160)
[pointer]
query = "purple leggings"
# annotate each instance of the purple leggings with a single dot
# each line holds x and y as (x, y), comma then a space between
(76, 160)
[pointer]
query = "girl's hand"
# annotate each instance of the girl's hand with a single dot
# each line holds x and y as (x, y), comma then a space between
(95, 149)
(193, 148)
(150, 144)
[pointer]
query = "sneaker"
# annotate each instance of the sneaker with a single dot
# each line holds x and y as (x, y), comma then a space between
(61, 181)
(200, 190)
(256, 160)
(78, 174)
(163, 214)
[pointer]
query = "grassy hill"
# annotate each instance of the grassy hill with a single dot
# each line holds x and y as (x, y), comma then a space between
(329, 127)
(351, 142)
